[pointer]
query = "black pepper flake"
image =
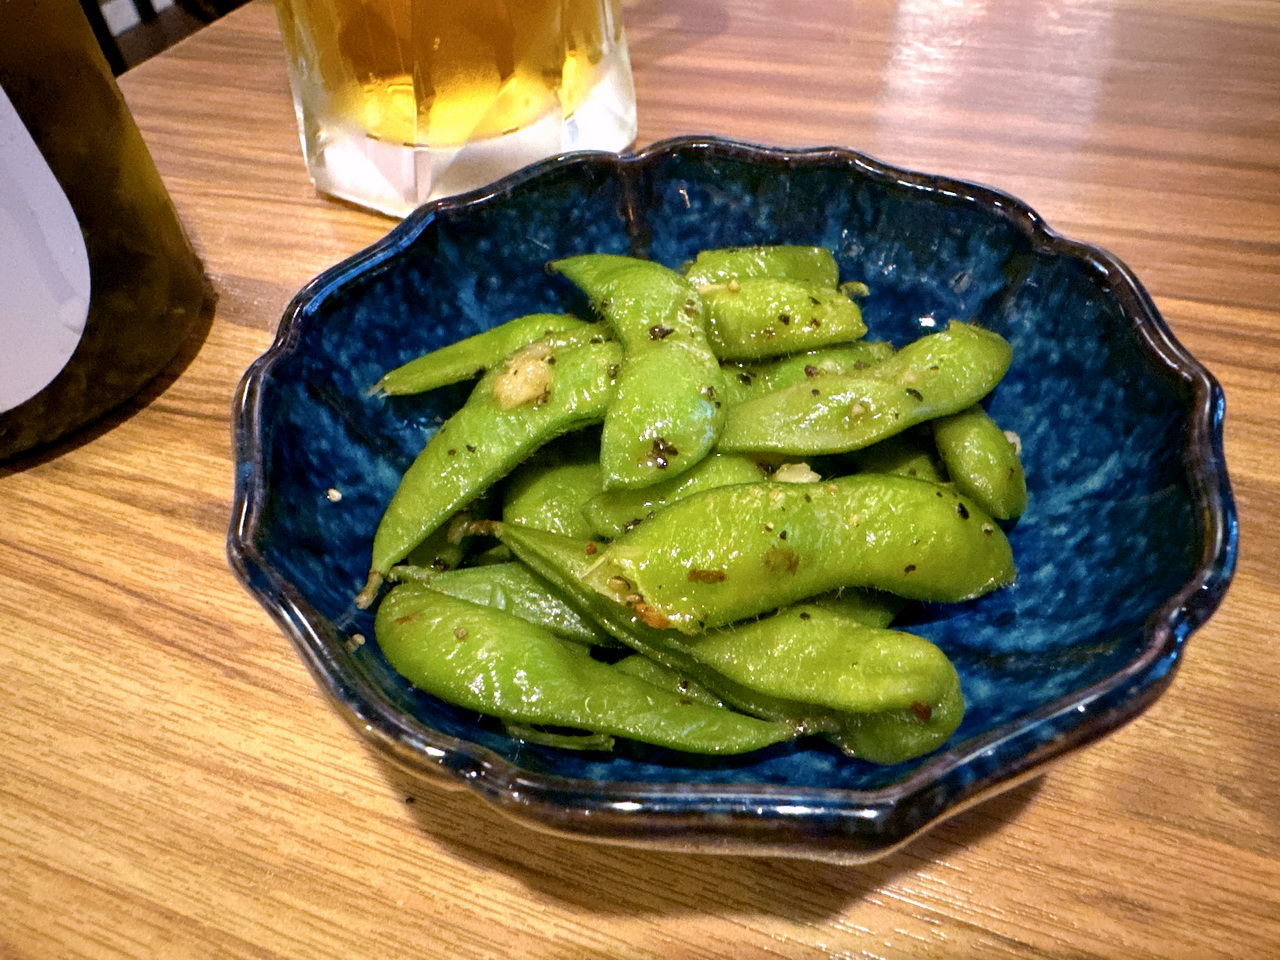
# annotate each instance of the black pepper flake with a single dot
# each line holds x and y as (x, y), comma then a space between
(662, 452)
(809, 499)
(909, 568)
(408, 799)
(963, 511)
(815, 322)
(709, 392)
(659, 332)
(471, 448)
(551, 360)
(613, 371)
(814, 300)
(632, 524)
(452, 452)
(923, 712)
(782, 535)
(805, 616)
(744, 378)
(937, 493)
(816, 392)
(810, 371)
(914, 394)
(683, 686)
(784, 319)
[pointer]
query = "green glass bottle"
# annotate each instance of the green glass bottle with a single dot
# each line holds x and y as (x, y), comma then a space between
(99, 285)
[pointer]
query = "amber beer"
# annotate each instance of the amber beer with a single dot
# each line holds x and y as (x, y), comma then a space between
(401, 101)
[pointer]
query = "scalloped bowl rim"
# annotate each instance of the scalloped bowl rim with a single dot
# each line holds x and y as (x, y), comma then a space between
(853, 826)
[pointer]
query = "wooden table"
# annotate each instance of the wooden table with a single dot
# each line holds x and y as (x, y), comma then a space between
(173, 785)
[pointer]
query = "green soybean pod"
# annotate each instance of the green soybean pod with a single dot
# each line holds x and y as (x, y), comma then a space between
(673, 681)
(666, 413)
(815, 265)
(474, 355)
(552, 495)
(744, 381)
(983, 462)
(734, 552)
(611, 513)
(762, 317)
(488, 661)
(907, 454)
(811, 654)
(888, 737)
(537, 395)
(937, 375)
(895, 736)
(515, 589)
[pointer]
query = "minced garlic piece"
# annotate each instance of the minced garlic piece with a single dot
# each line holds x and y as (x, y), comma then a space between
(795, 473)
(527, 379)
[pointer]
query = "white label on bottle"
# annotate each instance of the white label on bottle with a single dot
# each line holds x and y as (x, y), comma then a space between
(44, 267)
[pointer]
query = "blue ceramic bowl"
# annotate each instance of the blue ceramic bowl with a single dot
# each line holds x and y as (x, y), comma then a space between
(1127, 547)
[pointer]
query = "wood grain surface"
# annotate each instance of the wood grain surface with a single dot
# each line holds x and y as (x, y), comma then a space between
(173, 785)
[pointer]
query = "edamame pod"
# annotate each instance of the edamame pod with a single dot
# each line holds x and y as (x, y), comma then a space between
(937, 375)
(474, 355)
(666, 413)
(612, 512)
(814, 265)
(904, 455)
(497, 664)
(537, 395)
(551, 496)
(746, 380)
(761, 317)
(983, 462)
(734, 552)
(673, 681)
(892, 735)
(515, 589)
(811, 654)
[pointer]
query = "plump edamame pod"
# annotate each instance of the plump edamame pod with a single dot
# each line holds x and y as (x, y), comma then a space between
(907, 454)
(566, 564)
(937, 375)
(814, 265)
(673, 681)
(552, 495)
(870, 608)
(611, 513)
(474, 355)
(515, 589)
(983, 462)
(734, 552)
(894, 735)
(502, 666)
(666, 413)
(746, 380)
(763, 317)
(536, 395)
(812, 654)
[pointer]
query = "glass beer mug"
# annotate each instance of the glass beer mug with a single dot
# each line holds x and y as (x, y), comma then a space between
(404, 101)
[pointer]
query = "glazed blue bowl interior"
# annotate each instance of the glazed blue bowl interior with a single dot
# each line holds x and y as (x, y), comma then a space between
(1127, 544)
